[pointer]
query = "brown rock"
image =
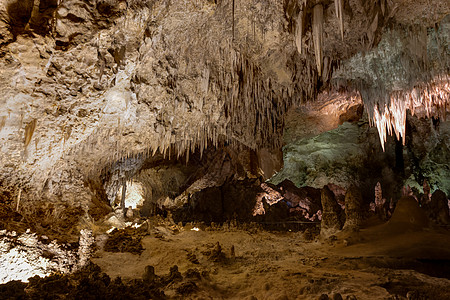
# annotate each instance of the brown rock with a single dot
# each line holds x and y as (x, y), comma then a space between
(331, 221)
(353, 208)
(270, 161)
(408, 215)
(438, 207)
(337, 296)
(149, 274)
(353, 114)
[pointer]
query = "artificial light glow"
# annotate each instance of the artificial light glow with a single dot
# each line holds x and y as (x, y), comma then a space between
(432, 99)
(270, 195)
(110, 230)
(22, 257)
(134, 195)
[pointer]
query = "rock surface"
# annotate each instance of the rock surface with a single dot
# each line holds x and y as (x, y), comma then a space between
(408, 213)
(331, 213)
(439, 209)
(354, 208)
(184, 107)
(95, 93)
(351, 154)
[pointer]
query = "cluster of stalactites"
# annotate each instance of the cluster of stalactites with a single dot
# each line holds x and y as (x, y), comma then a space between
(254, 104)
(165, 144)
(317, 29)
(432, 99)
(253, 109)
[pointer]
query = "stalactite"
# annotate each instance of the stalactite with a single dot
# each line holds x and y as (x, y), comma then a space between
(317, 30)
(338, 4)
(233, 18)
(2, 122)
(253, 107)
(67, 131)
(34, 12)
(29, 131)
(205, 80)
(392, 117)
(299, 28)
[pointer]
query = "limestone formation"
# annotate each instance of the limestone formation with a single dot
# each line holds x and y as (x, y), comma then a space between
(381, 205)
(438, 208)
(426, 198)
(331, 213)
(149, 274)
(353, 208)
(146, 115)
(85, 250)
(89, 84)
(408, 215)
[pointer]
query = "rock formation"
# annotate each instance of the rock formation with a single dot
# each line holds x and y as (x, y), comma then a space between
(409, 215)
(354, 212)
(438, 208)
(199, 103)
(331, 213)
(118, 112)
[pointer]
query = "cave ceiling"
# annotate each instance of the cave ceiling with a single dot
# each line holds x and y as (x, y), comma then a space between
(85, 84)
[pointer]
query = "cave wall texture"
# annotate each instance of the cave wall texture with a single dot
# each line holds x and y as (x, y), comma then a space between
(95, 91)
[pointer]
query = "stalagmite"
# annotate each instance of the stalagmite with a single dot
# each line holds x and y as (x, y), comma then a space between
(380, 202)
(354, 211)
(331, 221)
(317, 29)
(85, 249)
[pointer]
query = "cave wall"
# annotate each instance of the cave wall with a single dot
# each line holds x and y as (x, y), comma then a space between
(112, 79)
(89, 84)
(351, 154)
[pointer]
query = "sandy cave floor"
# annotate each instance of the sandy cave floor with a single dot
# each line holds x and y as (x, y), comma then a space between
(380, 262)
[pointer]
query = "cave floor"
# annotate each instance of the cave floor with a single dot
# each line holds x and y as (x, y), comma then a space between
(380, 262)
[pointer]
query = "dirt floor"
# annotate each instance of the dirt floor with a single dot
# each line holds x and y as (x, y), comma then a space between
(387, 261)
(405, 258)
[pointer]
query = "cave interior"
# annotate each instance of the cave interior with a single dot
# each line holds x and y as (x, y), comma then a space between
(225, 149)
